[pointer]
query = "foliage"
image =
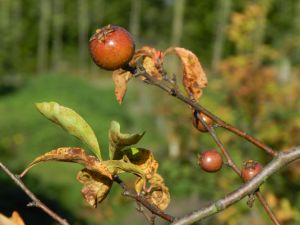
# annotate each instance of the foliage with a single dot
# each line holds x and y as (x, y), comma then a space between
(98, 175)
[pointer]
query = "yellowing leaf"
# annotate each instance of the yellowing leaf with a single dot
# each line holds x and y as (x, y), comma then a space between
(15, 219)
(120, 78)
(194, 77)
(75, 155)
(143, 158)
(70, 121)
(95, 186)
(123, 165)
(118, 140)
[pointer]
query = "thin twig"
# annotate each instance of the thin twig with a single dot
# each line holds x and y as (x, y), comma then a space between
(140, 199)
(281, 160)
(172, 90)
(35, 201)
(176, 93)
(236, 169)
(267, 208)
(214, 136)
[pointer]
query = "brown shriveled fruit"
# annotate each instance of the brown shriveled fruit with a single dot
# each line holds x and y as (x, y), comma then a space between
(250, 169)
(210, 161)
(197, 123)
(112, 47)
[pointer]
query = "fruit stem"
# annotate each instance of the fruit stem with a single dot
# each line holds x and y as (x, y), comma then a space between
(129, 68)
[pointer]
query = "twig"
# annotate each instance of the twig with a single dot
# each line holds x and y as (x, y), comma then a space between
(213, 134)
(236, 169)
(281, 160)
(152, 208)
(267, 208)
(35, 201)
(173, 90)
(176, 93)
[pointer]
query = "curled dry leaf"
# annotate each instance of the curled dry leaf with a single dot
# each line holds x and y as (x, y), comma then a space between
(158, 193)
(142, 52)
(194, 77)
(72, 122)
(75, 155)
(142, 158)
(118, 140)
(152, 68)
(15, 219)
(152, 61)
(120, 78)
(123, 165)
(95, 186)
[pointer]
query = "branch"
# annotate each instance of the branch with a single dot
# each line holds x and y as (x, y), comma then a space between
(176, 93)
(172, 88)
(281, 160)
(35, 201)
(139, 198)
(236, 169)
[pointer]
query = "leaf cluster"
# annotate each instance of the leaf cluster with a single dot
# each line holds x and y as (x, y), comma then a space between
(98, 175)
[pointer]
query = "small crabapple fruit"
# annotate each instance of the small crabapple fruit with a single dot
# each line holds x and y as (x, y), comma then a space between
(210, 161)
(197, 122)
(250, 169)
(111, 47)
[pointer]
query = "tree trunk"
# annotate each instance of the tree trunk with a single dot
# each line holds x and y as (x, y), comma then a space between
(97, 11)
(172, 64)
(83, 26)
(58, 24)
(223, 12)
(135, 18)
(16, 33)
(44, 25)
(5, 35)
(178, 16)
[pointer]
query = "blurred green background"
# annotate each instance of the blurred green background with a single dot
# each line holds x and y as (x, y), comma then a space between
(250, 51)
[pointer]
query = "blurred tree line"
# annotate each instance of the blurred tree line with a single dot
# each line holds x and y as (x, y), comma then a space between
(41, 35)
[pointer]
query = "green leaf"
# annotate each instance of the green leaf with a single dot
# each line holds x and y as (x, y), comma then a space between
(70, 121)
(118, 140)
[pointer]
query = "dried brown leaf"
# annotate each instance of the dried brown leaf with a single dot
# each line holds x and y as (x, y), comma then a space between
(161, 196)
(158, 193)
(15, 219)
(95, 186)
(152, 61)
(75, 155)
(194, 77)
(152, 68)
(120, 78)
